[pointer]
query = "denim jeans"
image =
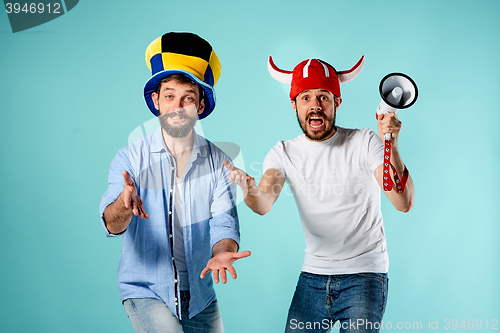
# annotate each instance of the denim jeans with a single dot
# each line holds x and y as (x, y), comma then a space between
(351, 303)
(153, 316)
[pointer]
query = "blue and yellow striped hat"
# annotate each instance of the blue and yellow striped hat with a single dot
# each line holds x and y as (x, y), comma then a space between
(186, 53)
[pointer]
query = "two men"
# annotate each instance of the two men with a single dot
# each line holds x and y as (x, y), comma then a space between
(173, 201)
(170, 198)
(335, 175)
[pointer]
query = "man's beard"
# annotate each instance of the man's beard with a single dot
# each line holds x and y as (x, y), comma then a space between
(327, 132)
(177, 131)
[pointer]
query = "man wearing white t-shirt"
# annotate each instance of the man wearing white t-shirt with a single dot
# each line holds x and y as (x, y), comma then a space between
(335, 175)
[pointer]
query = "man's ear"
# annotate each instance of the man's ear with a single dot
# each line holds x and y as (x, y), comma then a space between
(338, 101)
(202, 106)
(294, 106)
(154, 97)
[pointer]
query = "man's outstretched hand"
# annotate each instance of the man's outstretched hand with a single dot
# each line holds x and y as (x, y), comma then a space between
(240, 178)
(222, 262)
(131, 198)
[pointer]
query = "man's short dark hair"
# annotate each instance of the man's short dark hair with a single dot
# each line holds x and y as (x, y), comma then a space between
(181, 78)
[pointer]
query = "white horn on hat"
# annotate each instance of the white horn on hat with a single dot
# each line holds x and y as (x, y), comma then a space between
(279, 74)
(346, 76)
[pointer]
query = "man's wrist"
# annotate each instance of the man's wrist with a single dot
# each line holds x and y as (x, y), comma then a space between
(224, 245)
(253, 190)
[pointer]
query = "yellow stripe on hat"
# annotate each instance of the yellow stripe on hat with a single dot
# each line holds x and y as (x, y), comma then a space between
(215, 65)
(194, 65)
(153, 48)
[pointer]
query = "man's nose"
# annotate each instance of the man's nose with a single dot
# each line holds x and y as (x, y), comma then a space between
(316, 105)
(177, 104)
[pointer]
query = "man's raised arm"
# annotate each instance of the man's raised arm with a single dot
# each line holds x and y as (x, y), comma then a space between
(389, 123)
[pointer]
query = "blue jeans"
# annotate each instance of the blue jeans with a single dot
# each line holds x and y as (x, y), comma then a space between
(152, 315)
(351, 303)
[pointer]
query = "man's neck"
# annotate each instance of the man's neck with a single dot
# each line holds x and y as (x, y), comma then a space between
(179, 146)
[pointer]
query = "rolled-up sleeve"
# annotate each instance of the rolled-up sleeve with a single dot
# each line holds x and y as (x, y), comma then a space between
(120, 163)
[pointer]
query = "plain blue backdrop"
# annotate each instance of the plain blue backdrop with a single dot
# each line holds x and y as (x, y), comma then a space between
(71, 94)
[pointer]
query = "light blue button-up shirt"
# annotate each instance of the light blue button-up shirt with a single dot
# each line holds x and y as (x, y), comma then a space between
(147, 264)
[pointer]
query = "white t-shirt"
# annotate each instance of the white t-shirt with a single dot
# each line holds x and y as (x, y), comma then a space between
(338, 199)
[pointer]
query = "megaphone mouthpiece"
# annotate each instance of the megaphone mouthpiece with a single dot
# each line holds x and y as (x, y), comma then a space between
(394, 97)
(398, 91)
(395, 84)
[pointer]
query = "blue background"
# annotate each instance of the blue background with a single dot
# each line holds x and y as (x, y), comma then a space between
(71, 94)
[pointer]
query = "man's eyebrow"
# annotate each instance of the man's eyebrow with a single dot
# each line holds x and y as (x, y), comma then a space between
(191, 90)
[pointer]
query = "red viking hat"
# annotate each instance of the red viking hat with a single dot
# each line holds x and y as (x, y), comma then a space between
(314, 74)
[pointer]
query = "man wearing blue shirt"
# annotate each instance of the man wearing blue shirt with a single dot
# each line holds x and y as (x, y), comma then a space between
(170, 197)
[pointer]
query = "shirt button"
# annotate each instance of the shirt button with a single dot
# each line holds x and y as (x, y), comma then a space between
(172, 258)
(173, 168)
(169, 212)
(171, 190)
(171, 236)
(175, 280)
(175, 299)
(176, 303)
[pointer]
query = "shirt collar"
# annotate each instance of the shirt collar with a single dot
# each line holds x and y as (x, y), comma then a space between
(157, 144)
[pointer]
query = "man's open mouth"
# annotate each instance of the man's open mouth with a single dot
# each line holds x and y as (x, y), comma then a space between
(176, 115)
(316, 122)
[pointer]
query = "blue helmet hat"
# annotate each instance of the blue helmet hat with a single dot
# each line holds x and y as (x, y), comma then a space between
(184, 53)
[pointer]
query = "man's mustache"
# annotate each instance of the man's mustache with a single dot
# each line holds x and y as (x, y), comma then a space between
(316, 114)
(177, 112)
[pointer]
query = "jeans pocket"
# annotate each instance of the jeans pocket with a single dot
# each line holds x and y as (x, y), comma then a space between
(377, 276)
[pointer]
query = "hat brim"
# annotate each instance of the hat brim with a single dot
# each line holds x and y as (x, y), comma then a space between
(153, 83)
